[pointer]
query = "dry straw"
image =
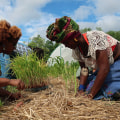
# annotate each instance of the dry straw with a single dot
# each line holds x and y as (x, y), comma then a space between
(57, 103)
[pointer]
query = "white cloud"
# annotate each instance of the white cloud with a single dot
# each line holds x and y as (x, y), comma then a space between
(28, 15)
(4, 3)
(106, 7)
(41, 31)
(82, 12)
(104, 11)
(83, 25)
(109, 23)
(39, 26)
(23, 11)
(30, 30)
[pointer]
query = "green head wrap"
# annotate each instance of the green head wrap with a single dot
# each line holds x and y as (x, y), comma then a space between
(63, 29)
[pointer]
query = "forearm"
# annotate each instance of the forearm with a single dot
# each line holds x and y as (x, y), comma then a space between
(83, 76)
(100, 78)
(4, 82)
(104, 67)
(83, 80)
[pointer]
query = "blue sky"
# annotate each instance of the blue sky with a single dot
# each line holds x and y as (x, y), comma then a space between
(34, 16)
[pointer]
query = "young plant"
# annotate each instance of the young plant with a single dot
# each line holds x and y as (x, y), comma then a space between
(1, 103)
(29, 69)
(66, 70)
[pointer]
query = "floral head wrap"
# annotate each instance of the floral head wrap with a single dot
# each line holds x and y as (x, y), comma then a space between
(63, 29)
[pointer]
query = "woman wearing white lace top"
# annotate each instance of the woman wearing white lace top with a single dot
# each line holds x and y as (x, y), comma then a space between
(94, 49)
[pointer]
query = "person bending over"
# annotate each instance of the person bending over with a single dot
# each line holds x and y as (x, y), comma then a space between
(93, 49)
(9, 36)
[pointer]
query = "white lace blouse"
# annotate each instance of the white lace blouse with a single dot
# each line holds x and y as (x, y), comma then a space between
(98, 40)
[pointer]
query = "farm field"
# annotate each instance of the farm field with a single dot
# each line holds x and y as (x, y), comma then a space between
(59, 103)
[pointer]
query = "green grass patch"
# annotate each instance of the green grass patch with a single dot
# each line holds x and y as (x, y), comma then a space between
(32, 71)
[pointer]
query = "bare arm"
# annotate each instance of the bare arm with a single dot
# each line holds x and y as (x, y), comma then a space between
(82, 77)
(83, 80)
(4, 82)
(103, 65)
(13, 82)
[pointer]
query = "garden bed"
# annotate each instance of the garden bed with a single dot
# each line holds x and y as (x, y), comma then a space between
(59, 103)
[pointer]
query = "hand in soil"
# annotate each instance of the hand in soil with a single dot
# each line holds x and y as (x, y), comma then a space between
(15, 96)
(18, 83)
(80, 93)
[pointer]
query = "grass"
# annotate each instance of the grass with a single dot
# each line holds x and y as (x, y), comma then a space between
(64, 69)
(1, 103)
(33, 71)
(29, 69)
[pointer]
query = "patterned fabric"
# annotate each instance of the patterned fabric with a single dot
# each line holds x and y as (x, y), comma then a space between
(111, 86)
(63, 29)
(22, 48)
(98, 40)
(5, 59)
(4, 64)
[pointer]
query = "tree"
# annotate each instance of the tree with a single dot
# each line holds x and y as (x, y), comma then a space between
(115, 34)
(99, 28)
(51, 46)
(38, 42)
(48, 46)
(85, 30)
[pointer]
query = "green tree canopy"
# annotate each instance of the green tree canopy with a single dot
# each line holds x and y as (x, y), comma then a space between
(50, 46)
(85, 30)
(99, 28)
(115, 34)
(37, 42)
(47, 45)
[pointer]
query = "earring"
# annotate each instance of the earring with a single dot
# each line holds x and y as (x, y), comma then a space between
(75, 40)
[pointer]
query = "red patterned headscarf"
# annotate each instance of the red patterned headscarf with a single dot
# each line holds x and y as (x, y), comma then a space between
(63, 30)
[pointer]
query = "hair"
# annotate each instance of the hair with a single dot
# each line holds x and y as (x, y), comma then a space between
(9, 35)
(15, 32)
(4, 24)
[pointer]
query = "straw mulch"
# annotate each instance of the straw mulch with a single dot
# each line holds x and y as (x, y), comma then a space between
(59, 103)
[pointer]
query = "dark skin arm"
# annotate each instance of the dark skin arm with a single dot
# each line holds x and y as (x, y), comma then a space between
(103, 65)
(82, 78)
(9, 95)
(13, 82)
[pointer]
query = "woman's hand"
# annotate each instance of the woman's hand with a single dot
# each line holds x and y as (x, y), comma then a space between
(80, 93)
(15, 96)
(18, 83)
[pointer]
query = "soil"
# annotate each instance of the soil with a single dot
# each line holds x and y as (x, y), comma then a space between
(58, 103)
